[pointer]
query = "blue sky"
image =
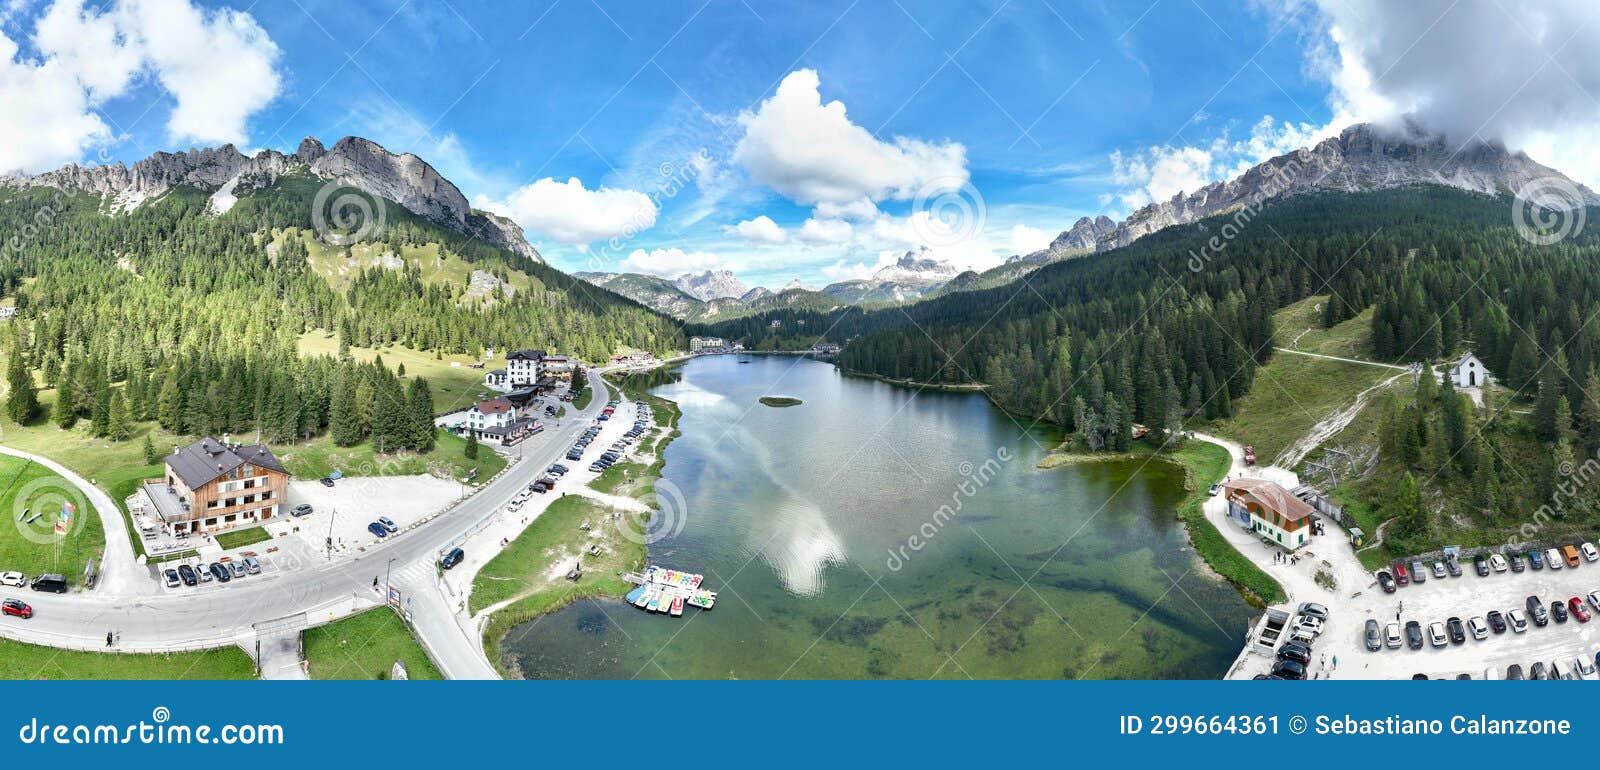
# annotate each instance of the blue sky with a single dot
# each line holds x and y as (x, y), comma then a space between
(999, 122)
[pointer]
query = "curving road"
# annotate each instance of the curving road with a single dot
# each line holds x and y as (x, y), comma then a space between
(324, 591)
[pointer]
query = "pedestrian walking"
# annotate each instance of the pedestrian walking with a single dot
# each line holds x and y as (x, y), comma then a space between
(108, 638)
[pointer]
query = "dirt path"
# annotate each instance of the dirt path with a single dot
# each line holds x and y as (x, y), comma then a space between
(1338, 358)
(1330, 426)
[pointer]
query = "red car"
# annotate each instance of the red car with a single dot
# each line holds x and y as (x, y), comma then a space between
(1401, 576)
(1578, 610)
(14, 607)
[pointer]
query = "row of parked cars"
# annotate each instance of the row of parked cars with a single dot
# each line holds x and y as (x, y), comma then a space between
(48, 582)
(1455, 631)
(222, 572)
(1403, 573)
(382, 527)
(1294, 655)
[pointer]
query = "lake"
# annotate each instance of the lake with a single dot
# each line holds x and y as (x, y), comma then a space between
(875, 531)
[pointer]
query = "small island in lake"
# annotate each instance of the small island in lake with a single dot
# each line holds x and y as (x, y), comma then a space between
(780, 401)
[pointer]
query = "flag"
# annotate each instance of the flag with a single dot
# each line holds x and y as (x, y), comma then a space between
(64, 521)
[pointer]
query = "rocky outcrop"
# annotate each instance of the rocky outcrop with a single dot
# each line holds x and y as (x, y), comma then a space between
(710, 285)
(1362, 157)
(405, 179)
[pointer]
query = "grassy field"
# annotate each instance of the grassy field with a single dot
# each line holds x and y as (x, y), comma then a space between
(582, 399)
(240, 538)
(319, 457)
(532, 570)
(1292, 393)
(365, 646)
(27, 661)
(454, 383)
(28, 489)
(1300, 328)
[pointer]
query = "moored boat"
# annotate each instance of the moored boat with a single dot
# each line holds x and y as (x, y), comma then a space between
(677, 606)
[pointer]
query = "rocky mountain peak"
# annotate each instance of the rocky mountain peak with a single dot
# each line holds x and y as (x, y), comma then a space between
(710, 285)
(916, 266)
(1362, 157)
(309, 150)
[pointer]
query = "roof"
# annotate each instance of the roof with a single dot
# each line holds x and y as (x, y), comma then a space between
(1464, 357)
(525, 355)
(1273, 497)
(493, 406)
(493, 372)
(208, 459)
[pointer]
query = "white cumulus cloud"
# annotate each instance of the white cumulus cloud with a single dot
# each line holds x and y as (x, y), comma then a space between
(668, 263)
(759, 230)
(570, 213)
(812, 153)
(219, 66)
(1026, 240)
(826, 231)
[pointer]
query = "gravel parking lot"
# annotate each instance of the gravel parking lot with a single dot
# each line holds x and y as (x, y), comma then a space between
(353, 503)
(1438, 599)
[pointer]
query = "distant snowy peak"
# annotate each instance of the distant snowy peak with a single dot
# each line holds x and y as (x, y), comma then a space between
(710, 285)
(916, 267)
(794, 283)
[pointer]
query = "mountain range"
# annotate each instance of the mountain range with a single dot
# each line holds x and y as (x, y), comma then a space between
(226, 174)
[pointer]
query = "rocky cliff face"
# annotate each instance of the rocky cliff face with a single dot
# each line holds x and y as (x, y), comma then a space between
(1362, 157)
(228, 174)
(710, 285)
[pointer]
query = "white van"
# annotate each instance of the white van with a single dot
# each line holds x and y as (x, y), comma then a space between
(1553, 559)
(1491, 673)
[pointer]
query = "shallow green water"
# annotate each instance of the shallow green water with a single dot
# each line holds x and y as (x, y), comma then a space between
(802, 519)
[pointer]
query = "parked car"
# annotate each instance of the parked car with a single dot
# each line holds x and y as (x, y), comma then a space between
(1456, 629)
(1517, 564)
(1497, 622)
(1580, 612)
(1452, 566)
(1481, 564)
(378, 529)
(1538, 672)
(222, 574)
(1584, 667)
(1589, 551)
(1559, 672)
(303, 509)
(1371, 636)
(1401, 577)
(1391, 636)
(1436, 635)
(1514, 672)
(1558, 612)
(13, 579)
(16, 608)
(201, 572)
(49, 582)
(1419, 574)
(1518, 621)
(1497, 562)
(237, 568)
(1289, 669)
(326, 481)
(388, 523)
(1438, 570)
(186, 574)
(1312, 609)
(1536, 559)
(1479, 628)
(1296, 652)
(1214, 490)
(1537, 612)
(1413, 634)
(1594, 600)
(1553, 559)
(1571, 555)
(251, 565)
(171, 576)
(453, 558)
(1386, 581)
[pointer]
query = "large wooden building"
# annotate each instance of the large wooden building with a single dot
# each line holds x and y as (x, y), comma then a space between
(213, 485)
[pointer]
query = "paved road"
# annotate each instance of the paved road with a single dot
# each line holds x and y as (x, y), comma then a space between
(119, 573)
(324, 591)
